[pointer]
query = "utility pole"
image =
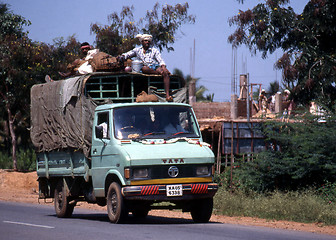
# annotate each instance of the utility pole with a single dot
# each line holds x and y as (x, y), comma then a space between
(192, 84)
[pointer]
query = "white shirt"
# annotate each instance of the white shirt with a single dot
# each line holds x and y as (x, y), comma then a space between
(86, 67)
(152, 56)
(104, 125)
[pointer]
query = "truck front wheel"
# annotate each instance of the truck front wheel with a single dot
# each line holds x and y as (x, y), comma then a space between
(63, 207)
(201, 210)
(116, 209)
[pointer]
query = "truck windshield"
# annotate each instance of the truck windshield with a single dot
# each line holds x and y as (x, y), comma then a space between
(145, 122)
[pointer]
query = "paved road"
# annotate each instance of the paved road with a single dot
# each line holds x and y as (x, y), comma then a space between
(28, 221)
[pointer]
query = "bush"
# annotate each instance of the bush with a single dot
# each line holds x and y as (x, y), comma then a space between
(5, 161)
(300, 154)
(26, 160)
(328, 192)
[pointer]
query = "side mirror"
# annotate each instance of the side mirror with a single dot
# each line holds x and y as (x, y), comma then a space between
(99, 132)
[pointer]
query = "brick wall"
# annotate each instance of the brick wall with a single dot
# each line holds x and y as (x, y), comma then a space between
(211, 110)
(242, 109)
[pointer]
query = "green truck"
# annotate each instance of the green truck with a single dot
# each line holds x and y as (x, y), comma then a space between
(95, 143)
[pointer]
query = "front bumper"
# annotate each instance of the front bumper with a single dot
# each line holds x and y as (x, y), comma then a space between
(158, 192)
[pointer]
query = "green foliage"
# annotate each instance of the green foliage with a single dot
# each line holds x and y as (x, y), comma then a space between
(164, 26)
(300, 153)
(26, 160)
(307, 40)
(5, 161)
(118, 37)
(61, 53)
(328, 192)
(300, 206)
(24, 63)
(162, 23)
(15, 65)
(273, 88)
(200, 89)
(230, 182)
(11, 24)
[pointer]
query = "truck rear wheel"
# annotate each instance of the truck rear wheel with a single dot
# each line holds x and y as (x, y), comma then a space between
(201, 210)
(116, 209)
(63, 208)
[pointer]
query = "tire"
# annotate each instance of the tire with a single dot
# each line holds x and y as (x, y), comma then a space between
(201, 210)
(116, 209)
(63, 208)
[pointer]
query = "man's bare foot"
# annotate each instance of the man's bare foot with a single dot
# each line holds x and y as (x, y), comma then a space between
(48, 78)
(169, 99)
(67, 74)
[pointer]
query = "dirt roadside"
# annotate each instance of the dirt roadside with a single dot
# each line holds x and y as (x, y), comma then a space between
(23, 187)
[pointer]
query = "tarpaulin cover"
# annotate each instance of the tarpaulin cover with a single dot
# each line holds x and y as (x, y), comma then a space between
(61, 117)
(178, 95)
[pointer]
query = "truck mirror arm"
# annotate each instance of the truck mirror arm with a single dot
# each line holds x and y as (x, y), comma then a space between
(103, 143)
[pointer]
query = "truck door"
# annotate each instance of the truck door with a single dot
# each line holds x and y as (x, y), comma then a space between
(101, 147)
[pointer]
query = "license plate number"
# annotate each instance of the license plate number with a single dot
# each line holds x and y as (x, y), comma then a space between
(174, 190)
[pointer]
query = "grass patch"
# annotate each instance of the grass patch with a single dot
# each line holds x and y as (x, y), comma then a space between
(300, 206)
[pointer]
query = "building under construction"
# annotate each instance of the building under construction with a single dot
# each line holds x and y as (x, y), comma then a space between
(232, 128)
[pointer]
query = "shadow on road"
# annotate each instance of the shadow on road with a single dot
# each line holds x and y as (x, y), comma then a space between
(133, 220)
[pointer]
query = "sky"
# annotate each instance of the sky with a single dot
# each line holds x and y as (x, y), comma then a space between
(52, 19)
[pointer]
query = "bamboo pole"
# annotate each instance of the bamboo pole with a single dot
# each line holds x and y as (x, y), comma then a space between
(219, 156)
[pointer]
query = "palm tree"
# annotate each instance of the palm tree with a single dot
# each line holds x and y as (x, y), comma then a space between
(273, 88)
(200, 90)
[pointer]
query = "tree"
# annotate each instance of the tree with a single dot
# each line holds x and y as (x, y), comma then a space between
(273, 88)
(200, 89)
(61, 53)
(163, 23)
(14, 46)
(24, 63)
(307, 40)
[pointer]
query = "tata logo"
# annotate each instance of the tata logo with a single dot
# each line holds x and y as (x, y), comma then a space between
(175, 160)
(173, 171)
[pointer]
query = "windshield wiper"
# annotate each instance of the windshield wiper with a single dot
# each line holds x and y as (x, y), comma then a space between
(153, 133)
(176, 135)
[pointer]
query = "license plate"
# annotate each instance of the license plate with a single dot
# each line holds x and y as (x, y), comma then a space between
(174, 190)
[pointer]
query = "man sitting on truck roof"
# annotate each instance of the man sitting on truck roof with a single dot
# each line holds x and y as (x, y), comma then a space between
(151, 59)
(81, 66)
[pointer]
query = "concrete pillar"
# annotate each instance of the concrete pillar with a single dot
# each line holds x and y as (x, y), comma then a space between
(192, 91)
(234, 106)
(278, 103)
(243, 86)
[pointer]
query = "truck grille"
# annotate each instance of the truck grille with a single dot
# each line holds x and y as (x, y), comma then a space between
(184, 171)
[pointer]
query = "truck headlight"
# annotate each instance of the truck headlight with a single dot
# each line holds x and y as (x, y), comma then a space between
(140, 173)
(202, 170)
